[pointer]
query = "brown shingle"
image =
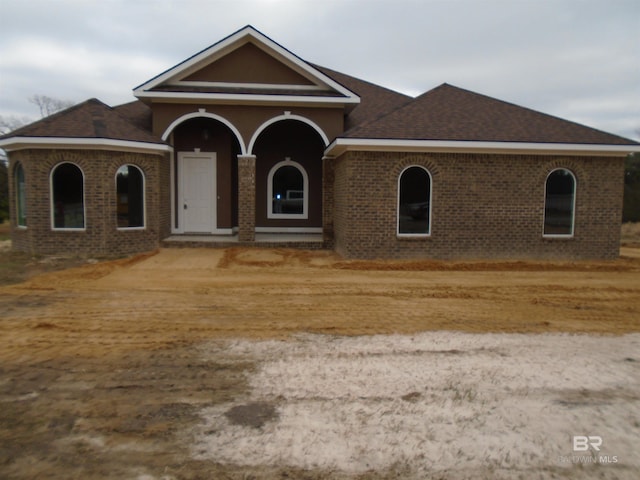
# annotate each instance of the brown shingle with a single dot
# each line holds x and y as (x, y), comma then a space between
(375, 100)
(451, 113)
(89, 119)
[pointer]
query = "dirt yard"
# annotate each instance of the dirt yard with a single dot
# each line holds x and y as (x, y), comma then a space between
(134, 368)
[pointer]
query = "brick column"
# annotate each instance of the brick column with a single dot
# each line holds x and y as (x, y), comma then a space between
(246, 198)
(328, 176)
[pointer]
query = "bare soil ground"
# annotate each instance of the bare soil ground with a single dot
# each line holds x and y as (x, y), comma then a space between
(103, 371)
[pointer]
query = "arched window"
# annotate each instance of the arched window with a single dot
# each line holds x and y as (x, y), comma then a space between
(288, 191)
(559, 203)
(130, 197)
(414, 202)
(21, 199)
(67, 187)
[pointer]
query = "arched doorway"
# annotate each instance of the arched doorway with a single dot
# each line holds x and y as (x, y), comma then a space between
(204, 177)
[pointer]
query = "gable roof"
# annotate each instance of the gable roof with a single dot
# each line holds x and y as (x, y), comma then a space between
(88, 123)
(450, 117)
(202, 76)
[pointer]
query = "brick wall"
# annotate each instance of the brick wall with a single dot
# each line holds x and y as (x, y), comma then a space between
(483, 206)
(101, 235)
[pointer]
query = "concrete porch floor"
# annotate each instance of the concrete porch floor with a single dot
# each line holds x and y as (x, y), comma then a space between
(294, 240)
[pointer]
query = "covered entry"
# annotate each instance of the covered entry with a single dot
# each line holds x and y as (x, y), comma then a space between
(204, 178)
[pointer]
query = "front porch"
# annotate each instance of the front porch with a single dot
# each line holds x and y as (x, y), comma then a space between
(307, 241)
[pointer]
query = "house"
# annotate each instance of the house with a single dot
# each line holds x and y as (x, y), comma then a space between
(246, 143)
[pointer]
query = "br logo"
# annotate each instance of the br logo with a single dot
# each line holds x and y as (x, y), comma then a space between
(583, 443)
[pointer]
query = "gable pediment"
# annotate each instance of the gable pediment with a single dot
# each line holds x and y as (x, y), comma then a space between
(246, 67)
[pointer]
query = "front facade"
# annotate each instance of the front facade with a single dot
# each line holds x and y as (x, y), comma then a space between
(246, 141)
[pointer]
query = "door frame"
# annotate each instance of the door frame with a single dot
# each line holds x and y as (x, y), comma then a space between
(177, 194)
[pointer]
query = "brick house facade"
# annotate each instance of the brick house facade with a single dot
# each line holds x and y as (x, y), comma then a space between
(245, 139)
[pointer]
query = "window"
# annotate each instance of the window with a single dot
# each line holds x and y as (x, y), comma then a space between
(21, 200)
(414, 202)
(559, 203)
(67, 186)
(130, 197)
(288, 191)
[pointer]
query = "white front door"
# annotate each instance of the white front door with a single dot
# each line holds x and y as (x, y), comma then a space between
(197, 195)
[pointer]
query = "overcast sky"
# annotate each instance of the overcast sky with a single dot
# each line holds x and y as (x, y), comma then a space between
(577, 59)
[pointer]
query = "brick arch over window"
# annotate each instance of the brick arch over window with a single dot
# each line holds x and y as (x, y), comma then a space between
(67, 197)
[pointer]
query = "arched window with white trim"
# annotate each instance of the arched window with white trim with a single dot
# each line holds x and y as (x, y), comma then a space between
(559, 203)
(21, 198)
(288, 191)
(414, 202)
(67, 197)
(130, 197)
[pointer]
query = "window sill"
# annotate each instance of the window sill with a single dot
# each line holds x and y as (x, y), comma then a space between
(412, 236)
(558, 237)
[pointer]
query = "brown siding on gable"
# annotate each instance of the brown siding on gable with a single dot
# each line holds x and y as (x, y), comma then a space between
(483, 206)
(248, 64)
(101, 236)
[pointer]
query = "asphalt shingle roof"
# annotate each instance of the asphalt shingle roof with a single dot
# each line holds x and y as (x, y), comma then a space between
(452, 113)
(89, 119)
(375, 100)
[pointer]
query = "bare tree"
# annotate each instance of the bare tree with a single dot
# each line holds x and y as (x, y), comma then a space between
(11, 123)
(49, 105)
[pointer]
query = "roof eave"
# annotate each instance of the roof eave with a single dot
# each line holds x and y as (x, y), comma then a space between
(243, 98)
(342, 145)
(12, 144)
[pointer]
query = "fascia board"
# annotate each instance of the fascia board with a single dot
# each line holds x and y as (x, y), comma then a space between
(248, 98)
(20, 143)
(341, 145)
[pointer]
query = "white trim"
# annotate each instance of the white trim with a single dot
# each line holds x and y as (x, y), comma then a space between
(52, 205)
(202, 113)
(265, 86)
(20, 143)
(414, 235)
(248, 98)
(573, 206)
(144, 198)
(305, 185)
(234, 41)
(280, 118)
(341, 145)
(288, 229)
